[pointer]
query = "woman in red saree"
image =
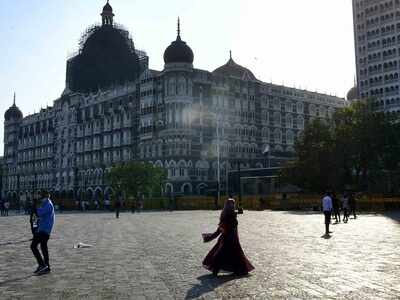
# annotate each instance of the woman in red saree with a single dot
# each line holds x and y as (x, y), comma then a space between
(227, 254)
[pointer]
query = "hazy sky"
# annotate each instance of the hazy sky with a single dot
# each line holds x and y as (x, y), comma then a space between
(302, 43)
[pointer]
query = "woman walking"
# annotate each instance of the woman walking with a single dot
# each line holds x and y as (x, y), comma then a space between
(227, 254)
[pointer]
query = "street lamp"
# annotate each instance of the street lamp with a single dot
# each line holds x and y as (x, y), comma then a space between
(240, 208)
(266, 153)
(218, 160)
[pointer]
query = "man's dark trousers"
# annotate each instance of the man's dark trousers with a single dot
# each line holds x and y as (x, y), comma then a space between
(41, 238)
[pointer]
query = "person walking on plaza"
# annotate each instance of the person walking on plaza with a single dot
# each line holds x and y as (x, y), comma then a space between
(6, 207)
(345, 207)
(327, 209)
(107, 204)
(46, 217)
(117, 207)
(352, 205)
(2, 207)
(336, 207)
(96, 204)
(227, 254)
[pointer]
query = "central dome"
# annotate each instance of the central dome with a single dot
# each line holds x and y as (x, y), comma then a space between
(178, 51)
(107, 56)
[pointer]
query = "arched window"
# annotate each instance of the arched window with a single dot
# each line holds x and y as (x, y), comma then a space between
(278, 136)
(277, 119)
(265, 134)
(289, 137)
(289, 121)
(300, 122)
(300, 107)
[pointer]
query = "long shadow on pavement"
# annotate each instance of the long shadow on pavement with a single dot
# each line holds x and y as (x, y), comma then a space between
(15, 242)
(208, 283)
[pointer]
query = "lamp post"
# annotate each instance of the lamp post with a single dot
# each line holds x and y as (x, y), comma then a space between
(240, 208)
(218, 161)
(266, 153)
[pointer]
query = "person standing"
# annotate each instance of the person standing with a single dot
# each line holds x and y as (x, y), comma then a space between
(117, 207)
(352, 205)
(227, 254)
(46, 217)
(6, 207)
(345, 206)
(96, 204)
(327, 209)
(2, 207)
(336, 207)
(107, 204)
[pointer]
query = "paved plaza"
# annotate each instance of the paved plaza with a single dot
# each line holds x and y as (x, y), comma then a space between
(157, 255)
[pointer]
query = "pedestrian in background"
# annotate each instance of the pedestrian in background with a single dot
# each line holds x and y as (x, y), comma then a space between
(345, 207)
(2, 207)
(352, 205)
(107, 204)
(336, 207)
(6, 207)
(117, 207)
(327, 210)
(96, 204)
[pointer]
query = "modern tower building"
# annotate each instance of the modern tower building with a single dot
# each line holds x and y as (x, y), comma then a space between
(377, 40)
(194, 123)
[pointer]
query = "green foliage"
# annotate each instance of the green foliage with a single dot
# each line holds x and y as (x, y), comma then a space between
(359, 149)
(136, 178)
(313, 169)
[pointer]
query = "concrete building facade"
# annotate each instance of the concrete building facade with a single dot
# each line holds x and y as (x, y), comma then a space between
(377, 52)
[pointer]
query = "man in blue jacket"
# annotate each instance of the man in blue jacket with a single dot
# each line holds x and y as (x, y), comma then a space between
(45, 214)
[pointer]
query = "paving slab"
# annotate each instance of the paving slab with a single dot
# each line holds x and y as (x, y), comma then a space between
(158, 255)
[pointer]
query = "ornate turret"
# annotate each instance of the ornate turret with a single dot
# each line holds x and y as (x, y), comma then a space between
(178, 51)
(13, 113)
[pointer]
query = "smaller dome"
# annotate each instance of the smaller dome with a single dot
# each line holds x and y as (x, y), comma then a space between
(107, 8)
(178, 52)
(352, 94)
(233, 69)
(13, 113)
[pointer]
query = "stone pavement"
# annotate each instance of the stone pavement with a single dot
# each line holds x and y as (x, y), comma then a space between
(157, 255)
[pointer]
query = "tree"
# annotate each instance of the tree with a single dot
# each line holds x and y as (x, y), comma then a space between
(313, 168)
(135, 178)
(360, 149)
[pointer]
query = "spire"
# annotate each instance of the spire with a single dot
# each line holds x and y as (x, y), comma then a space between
(178, 30)
(14, 99)
(107, 15)
(230, 61)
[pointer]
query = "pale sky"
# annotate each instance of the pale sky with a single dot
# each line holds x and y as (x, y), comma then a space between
(302, 43)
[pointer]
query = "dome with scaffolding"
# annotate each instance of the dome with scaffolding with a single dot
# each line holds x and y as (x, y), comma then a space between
(106, 57)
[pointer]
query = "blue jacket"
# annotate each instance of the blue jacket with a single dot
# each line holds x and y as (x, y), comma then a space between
(46, 216)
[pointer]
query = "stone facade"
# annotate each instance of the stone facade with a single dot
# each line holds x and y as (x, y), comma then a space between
(183, 119)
